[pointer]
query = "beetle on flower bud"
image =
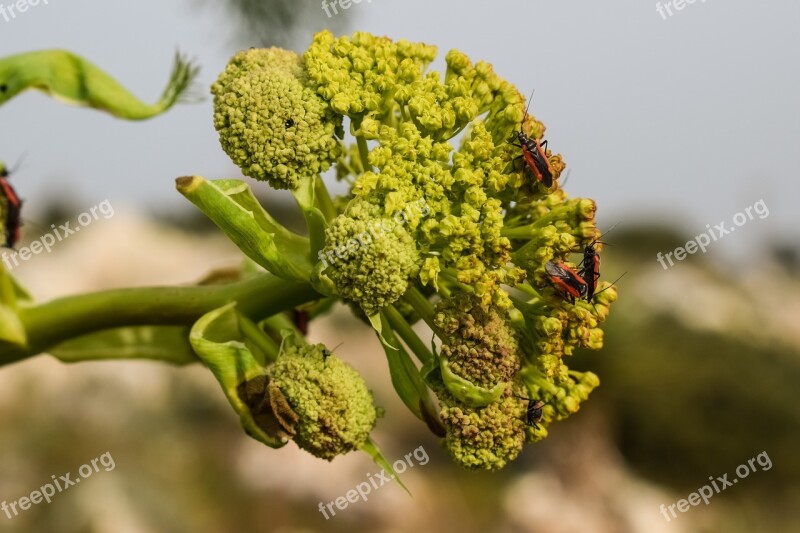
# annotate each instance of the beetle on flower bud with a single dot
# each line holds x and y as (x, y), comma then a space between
(566, 279)
(534, 411)
(533, 152)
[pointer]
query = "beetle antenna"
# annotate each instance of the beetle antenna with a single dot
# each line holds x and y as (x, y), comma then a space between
(604, 234)
(18, 164)
(612, 284)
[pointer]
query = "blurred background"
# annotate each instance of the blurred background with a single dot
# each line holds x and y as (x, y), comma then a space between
(671, 123)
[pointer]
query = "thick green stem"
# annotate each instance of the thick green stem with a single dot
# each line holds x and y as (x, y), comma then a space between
(324, 199)
(54, 322)
(409, 336)
(422, 306)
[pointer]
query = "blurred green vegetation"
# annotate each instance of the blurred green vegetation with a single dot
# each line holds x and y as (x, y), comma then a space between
(687, 403)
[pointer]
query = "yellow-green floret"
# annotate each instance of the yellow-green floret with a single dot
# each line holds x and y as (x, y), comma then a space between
(478, 342)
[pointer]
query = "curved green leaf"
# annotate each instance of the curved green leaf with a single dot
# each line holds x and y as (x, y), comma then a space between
(218, 341)
(11, 328)
(72, 79)
(230, 204)
(407, 381)
(466, 391)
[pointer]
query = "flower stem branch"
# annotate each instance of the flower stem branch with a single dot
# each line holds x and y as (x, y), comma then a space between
(52, 323)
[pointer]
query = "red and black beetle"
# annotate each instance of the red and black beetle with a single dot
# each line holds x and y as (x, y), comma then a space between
(566, 279)
(13, 209)
(534, 154)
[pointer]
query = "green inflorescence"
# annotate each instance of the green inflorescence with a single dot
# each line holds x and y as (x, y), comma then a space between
(440, 222)
(485, 437)
(334, 408)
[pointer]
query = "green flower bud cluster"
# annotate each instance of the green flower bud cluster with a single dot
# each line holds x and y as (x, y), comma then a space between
(411, 115)
(334, 408)
(270, 121)
(486, 437)
(356, 74)
(367, 260)
(478, 343)
(479, 359)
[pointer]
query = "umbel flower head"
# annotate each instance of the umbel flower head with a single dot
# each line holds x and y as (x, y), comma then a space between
(334, 408)
(471, 264)
(270, 122)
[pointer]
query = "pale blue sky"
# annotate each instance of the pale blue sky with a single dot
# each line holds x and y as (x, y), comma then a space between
(690, 119)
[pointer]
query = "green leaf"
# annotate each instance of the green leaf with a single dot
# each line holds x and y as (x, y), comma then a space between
(218, 341)
(230, 204)
(372, 449)
(408, 382)
(466, 391)
(404, 330)
(431, 371)
(11, 328)
(305, 195)
(169, 344)
(377, 325)
(72, 79)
